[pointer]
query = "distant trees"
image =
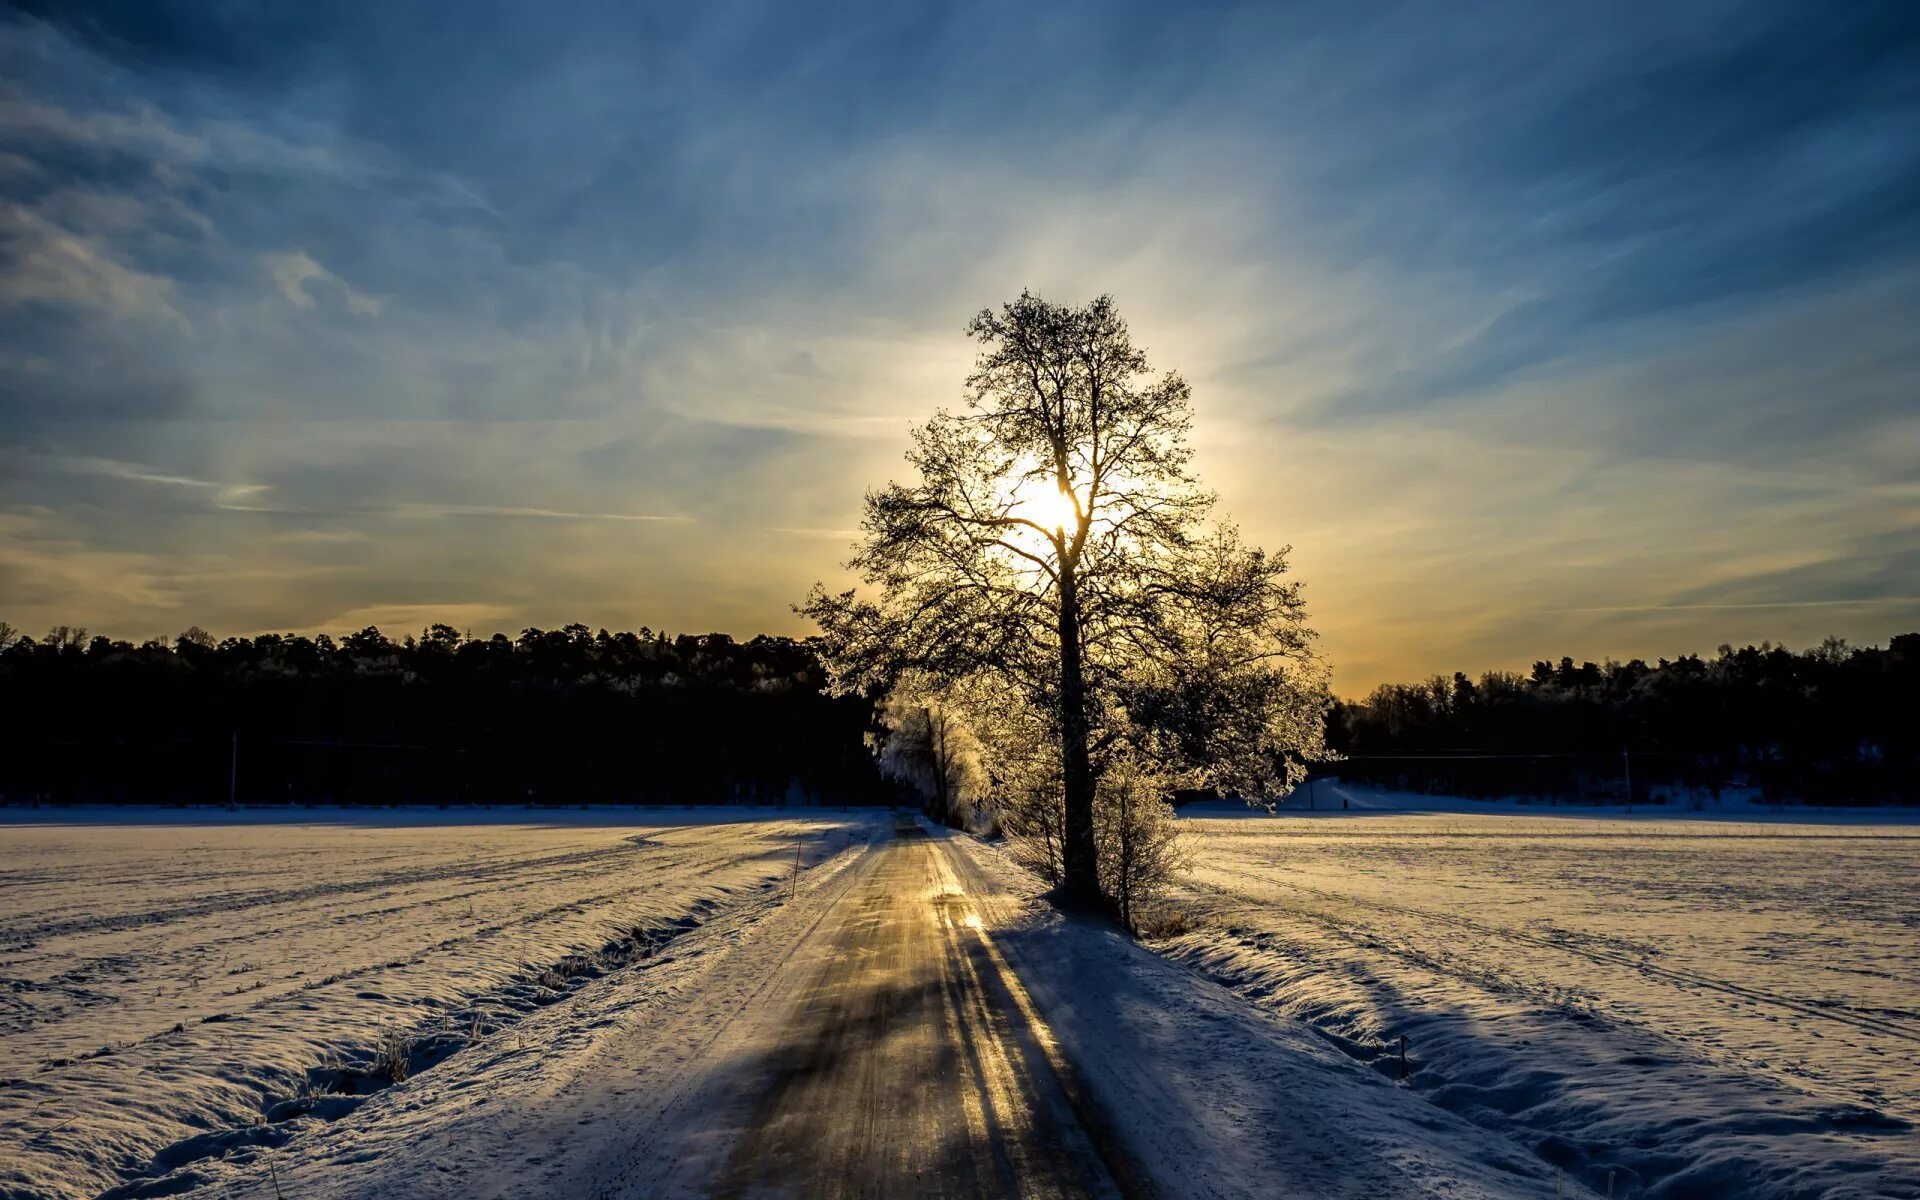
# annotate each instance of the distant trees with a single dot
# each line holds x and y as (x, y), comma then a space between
(552, 716)
(1832, 724)
(926, 745)
(1051, 575)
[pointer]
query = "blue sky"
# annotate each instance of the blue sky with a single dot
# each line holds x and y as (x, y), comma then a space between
(1533, 330)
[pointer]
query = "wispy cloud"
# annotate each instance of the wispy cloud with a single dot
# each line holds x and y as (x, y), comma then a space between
(293, 273)
(1861, 602)
(396, 618)
(418, 511)
(837, 535)
(229, 494)
(49, 265)
(255, 498)
(142, 131)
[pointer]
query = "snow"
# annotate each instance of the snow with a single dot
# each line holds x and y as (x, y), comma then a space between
(170, 977)
(1217, 1098)
(1323, 798)
(1674, 1004)
(1722, 1006)
(612, 1090)
(1212, 1097)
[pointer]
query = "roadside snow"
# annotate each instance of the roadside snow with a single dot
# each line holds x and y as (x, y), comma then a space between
(1330, 798)
(607, 1095)
(1219, 1098)
(1690, 1007)
(177, 985)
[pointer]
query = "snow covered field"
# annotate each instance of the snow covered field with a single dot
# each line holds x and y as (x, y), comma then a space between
(1694, 1005)
(168, 978)
(648, 1081)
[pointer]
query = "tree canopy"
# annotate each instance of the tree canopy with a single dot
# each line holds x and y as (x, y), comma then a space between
(1053, 570)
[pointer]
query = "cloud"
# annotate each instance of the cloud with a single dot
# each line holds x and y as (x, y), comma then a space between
(141, 132)
(137, 129)
(399, 618)
(47, 265)
(1534, 332)
(427, 511)
(848, 534)
(293, 272)
(229, 495)
(1906, 602)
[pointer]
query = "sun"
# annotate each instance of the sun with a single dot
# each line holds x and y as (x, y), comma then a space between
(1045, 504)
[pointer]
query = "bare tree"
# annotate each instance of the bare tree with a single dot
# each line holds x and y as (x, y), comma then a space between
(1056, 544)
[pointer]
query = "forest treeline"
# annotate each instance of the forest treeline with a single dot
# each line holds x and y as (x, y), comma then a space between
(562, 716)
(1835, 724)
(572, 716)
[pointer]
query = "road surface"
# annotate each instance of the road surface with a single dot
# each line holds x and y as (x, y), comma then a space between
(915, 1066)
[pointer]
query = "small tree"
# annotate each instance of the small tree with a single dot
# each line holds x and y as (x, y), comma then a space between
(1138, 837)
(1054, 552)
(1022, 766)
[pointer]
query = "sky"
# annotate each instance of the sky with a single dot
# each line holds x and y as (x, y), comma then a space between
(1532, 329)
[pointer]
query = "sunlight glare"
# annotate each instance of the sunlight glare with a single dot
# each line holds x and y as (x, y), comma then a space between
(1045, 505)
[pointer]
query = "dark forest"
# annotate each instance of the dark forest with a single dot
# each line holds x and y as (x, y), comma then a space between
(565, 716)
(1834, 724)
(572, 716)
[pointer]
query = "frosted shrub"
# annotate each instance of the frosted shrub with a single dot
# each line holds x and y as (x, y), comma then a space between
(1138, 839)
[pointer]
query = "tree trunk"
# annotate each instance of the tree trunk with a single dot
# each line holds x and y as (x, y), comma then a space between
(937, 747)
(1080, 882)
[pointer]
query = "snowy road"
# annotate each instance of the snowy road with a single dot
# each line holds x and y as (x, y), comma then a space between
(740, 1005)
(867, 1039)
(915, 1064)
(903, 1017)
